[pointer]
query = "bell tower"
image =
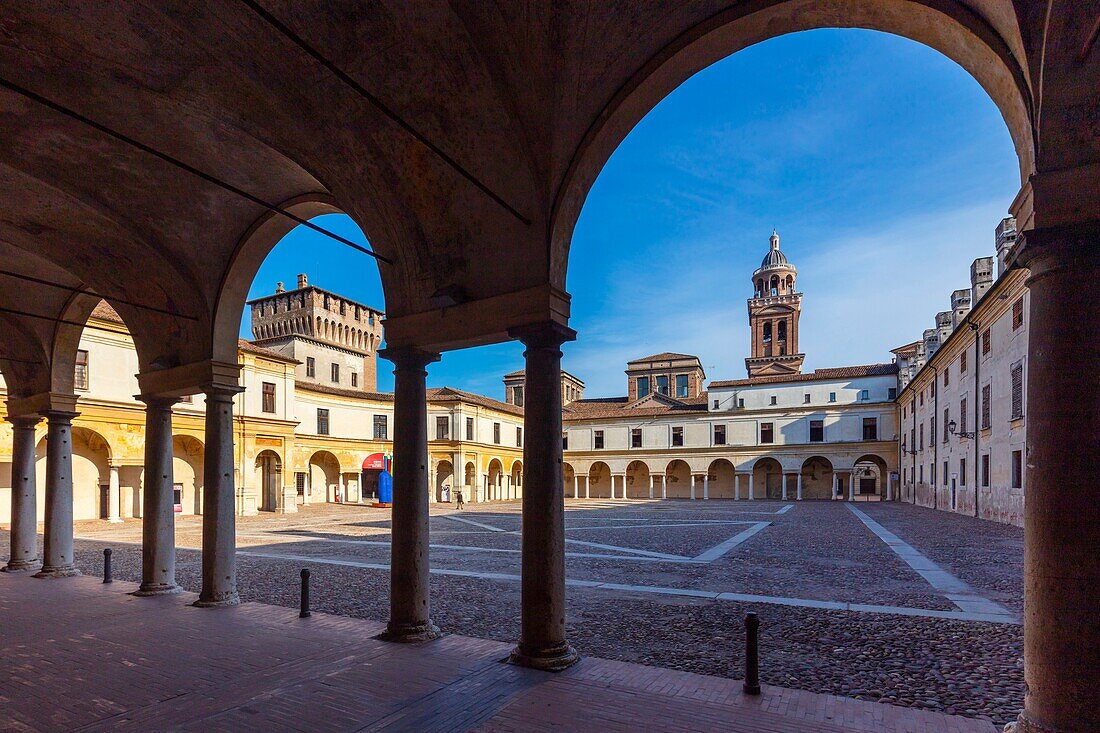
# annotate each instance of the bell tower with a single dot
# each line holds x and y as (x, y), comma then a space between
(774, 309)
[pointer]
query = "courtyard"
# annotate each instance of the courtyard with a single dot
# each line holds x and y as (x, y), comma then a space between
(880, 602)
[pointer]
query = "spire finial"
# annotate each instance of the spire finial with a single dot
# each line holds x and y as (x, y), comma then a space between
(775, 239)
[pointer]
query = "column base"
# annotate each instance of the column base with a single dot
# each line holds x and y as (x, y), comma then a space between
(57, 571)
(22, 566)
(222, 601)
(157, 589)
(550, 659)
(410, 633)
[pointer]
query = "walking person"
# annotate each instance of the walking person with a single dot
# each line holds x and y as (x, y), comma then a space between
(458, 499)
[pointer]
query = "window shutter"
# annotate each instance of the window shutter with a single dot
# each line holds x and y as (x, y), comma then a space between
(1017, 390)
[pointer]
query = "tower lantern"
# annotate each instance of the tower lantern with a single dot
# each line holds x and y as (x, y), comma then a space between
(774, 310)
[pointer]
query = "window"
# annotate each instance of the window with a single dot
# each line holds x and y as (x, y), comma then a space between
(354, 379)
(517, 396)
(817, 431)
(921, 437)
(931, 431)
(469, 428)
(300, 483)
(662, 385)
(946, 377)
(805, 399)
(635, 437)
(565, 441)
(962, 363)
(322, 421)
(767, 432)
(985, 406)
(932, 473)
(1017, 391)
(343, 308)
(311, 366)
(985, 342)
(496, 433)
(1017, 469)
(716, 404)
(80, 375)
(597, 439)
(381, 429)
(269, 397)
(922, 473)
(681, 385)
(358, 314)
(870, 428)
(832, 397)
(335, 373)
(443, 428)
(774, 399)
(719, 434)
(962, 472)
(922, 398)
(892, 393)
(1017, 318)
(985, 470)
(962, 415)
(643, 386)
(519, 437)
(932, 390)
(945, 473)
(946, 422)
(677, 437)
(864, 395)
(740, 401)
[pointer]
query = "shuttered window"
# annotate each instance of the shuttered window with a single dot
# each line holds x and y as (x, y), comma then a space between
(1017, 314)
(985, 342)
(962, 415)
(962, 362)
(946, 422)
(1017, 390)
(985, 407)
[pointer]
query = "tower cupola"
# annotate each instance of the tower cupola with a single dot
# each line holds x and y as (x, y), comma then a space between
(774, 310)
(776, 275)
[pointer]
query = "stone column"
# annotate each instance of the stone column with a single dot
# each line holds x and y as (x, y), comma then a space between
(114, 496)
(693, 487)
(576, 485)
(612, 486)
(751, 495)
(664, 486)
(219, 529)
(1061, 514)
(158, 516)
(799, 495)
(784, 487)
(706, 486)
(851, 486)
(588, 487)
(542, 641)
(833, 496)
(57, 545)
(410, 605)
(890, 486)
(736, 486)
(24, 500)
(651, 486)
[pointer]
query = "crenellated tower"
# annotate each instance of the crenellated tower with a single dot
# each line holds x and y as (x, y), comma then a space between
(774, 310)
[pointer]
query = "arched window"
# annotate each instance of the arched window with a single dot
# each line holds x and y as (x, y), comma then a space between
(790, 284)
(775, 285)
(759, 287)
(782, 331)
(767, 332)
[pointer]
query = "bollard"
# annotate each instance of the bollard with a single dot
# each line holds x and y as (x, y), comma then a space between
(752, 654)
(107, 566)
(304, 612)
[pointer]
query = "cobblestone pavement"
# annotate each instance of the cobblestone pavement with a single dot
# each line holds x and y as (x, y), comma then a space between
(919, 651)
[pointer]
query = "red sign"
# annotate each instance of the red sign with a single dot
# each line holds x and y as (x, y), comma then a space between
(375, 461)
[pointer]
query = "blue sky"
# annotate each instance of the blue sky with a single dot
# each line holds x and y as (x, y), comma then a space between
(883, 165)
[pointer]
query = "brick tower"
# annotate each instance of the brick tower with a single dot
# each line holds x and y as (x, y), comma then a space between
(774, 310)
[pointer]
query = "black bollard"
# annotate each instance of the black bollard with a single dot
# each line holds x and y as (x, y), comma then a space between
(107, 565)
(752, 654)
(304, 612)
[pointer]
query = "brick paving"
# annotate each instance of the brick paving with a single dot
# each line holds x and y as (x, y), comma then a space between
(815, 551)
(84, 656)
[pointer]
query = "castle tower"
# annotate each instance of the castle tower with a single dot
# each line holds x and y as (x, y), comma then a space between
(774, 310)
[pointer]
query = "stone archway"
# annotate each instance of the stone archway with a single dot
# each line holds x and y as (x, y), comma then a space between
(91, 470)
(767, 479)
(722, 479)
(599, 479)
(444, 474)
(817, 478)
(187, 473)
(637, 480)
(324, 476)
(269, 480)
(869, 476)
(515, 487)
(678, 478)
(495, 476)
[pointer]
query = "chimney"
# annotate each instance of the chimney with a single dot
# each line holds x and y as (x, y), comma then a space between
(1006, 241)
(303, 281)
(981, 278)
(279, 287)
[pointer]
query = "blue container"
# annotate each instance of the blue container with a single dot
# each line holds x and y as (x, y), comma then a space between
(385, 488)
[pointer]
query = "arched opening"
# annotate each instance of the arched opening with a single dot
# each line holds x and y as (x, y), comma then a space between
(470, 492)
(444, 479)
(678, 478)
(817, 478)
(599, 481)
(91, 462)
(571, 487)
(494, 486)
(269, 480)
(869, 475)
(515, 490)
(187, 473)
(721, 479)
(324, 477)
(637, 480)
(374, 476)
(767, 479)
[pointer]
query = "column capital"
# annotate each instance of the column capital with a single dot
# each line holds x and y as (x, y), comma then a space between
(157, 400)
(55, 417)
(43, 402)
(409, 357)
(220, 392)
(24, 422)
(1055, 249)
(548, 334)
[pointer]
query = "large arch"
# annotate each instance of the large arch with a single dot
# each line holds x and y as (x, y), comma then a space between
(767, 478)
(495, 487)
(869, 476)
(516, 477)
(324, 476)
(637, 480)
(952, 29)
(721, 479)
(187, 472)
(91, 467)
(268, 479)
(678, 479)
(444, 474)
(599, 480)
(817, 478)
